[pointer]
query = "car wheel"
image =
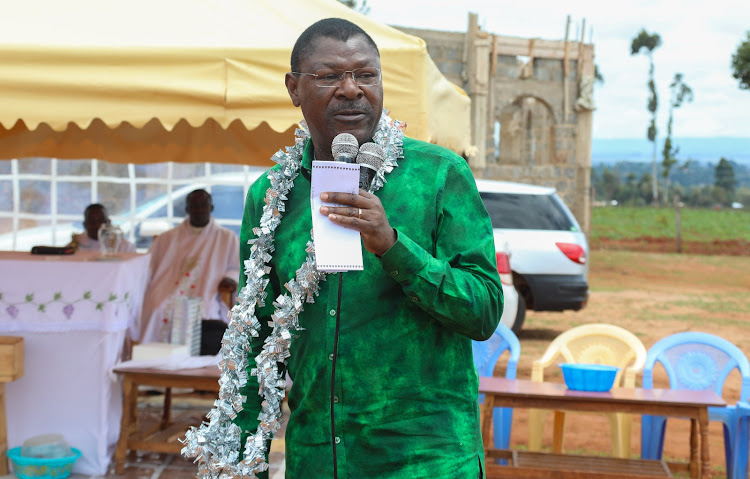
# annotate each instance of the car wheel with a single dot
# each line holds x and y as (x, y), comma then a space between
(520, 314)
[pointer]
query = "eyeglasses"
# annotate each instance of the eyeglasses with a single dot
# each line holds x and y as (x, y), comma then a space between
(327, 78)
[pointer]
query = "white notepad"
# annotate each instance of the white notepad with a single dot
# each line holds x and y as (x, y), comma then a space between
(336, 248)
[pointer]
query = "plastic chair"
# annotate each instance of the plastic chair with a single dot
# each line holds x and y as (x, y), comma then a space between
(486, 355)
(699, 361)
(596, 343)
(742, 441)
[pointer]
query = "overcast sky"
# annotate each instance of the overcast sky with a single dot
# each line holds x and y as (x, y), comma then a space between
(698, 38)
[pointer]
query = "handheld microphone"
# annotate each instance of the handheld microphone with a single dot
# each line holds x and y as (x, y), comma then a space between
(370, 160)
(344, 148)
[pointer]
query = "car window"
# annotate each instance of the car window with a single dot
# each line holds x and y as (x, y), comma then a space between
(228, 200)
(526, 212)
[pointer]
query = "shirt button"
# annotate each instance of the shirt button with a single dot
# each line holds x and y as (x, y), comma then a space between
(332, 312)
(394, 273)
(330, 357)
(335, 399)
(414, 299)
(337, 440)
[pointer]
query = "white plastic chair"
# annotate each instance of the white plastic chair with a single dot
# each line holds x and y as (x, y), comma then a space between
(591, 344)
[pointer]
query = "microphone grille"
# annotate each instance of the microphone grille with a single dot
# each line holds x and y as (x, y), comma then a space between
(344, 145)
(371, 154)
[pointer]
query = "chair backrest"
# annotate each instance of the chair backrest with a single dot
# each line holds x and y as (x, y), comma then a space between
(596, 343)
(699, 361)
(487, 353)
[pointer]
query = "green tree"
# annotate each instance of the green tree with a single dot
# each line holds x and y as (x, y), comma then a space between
(741, 63)
(610, 184)
(645, 187)
(724, 180)
(629, 194)
(742, 196)
(648, 43)
(355, 5)
(679, 92)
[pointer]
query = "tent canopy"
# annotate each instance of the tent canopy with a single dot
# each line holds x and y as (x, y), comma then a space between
(187, 80)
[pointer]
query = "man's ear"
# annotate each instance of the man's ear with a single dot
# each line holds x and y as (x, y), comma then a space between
(292, 83)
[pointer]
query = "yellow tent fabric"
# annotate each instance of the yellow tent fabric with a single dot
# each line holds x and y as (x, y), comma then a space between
(187, 80)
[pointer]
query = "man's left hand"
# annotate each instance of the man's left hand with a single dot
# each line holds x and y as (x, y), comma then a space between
(363, 212)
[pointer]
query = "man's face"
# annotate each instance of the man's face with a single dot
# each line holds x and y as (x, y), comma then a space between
(199, 208)
(348, 108)
(93, 220)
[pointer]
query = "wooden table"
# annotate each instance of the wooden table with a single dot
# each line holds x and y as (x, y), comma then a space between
(517, 393)
(163, 436)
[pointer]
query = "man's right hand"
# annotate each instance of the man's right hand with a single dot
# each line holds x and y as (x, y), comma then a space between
(363, 212)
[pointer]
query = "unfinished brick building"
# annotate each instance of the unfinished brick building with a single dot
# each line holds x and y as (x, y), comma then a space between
(532, 103)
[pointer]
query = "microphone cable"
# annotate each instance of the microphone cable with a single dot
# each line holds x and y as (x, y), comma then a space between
(333, 372)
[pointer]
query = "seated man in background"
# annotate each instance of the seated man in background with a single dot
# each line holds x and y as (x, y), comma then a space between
(196, 259)
(94, 216)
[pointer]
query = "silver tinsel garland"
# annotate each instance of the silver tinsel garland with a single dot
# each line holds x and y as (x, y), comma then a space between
(215, 444)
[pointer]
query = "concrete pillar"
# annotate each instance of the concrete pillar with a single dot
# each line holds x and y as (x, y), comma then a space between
(583, 170)
(478, 47)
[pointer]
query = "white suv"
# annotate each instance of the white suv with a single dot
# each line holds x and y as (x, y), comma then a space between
(510, 295)
(549, 251)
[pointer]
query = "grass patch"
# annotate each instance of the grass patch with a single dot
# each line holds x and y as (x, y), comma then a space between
(727, 303)
(697, 224)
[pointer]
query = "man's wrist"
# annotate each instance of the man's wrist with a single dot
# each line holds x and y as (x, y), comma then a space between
(395, 239)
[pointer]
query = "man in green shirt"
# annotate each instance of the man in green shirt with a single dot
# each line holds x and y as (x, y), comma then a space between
(384, 384)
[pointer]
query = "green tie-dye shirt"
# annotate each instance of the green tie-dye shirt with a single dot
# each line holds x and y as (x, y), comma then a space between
(405, 400)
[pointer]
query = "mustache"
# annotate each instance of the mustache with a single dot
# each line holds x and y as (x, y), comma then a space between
(362, 106)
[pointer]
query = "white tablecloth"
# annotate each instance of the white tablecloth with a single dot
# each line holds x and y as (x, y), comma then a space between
(73, 313)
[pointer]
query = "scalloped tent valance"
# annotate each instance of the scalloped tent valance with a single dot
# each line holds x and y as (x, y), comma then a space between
(187, 80)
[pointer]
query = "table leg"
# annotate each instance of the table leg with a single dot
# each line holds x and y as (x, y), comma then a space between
(705, 459)
(489, 407)
(3, 434)
(694, 465)
(166, 415)
(558, 431)
(129, 392)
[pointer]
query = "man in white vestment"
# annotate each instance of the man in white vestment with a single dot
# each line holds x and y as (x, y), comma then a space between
(196, 259)
(94, 216)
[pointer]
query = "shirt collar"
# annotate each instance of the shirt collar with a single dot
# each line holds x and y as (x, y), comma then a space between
(308, 155)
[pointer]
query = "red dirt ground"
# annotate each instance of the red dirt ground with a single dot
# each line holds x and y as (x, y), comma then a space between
(668, 245)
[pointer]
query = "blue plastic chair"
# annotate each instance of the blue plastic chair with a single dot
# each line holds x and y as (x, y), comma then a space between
(742, 440)
(486, 355)
(699, 361)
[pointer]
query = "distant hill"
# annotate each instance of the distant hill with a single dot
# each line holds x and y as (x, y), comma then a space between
(699, 173)
(705, 150)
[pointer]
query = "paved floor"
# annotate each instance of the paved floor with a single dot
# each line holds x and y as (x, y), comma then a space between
(174, 466)
(171, 466)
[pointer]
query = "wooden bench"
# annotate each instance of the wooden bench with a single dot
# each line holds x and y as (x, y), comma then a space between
(519, 393)
(524, 464)
(162, 436)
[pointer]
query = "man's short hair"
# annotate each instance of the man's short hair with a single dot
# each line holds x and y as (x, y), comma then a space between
(193, 193)
(94, 206)
(336, 28)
